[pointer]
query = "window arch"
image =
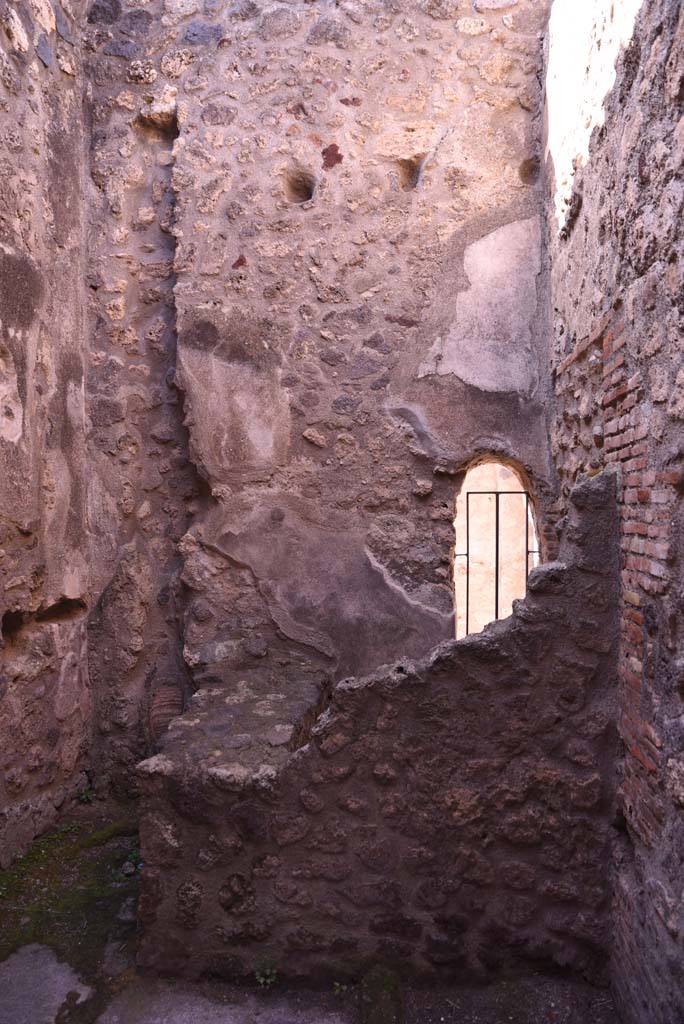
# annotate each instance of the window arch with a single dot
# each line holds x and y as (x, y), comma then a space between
(496, 545)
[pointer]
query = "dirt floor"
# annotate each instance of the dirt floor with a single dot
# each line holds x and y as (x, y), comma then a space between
(67, 955)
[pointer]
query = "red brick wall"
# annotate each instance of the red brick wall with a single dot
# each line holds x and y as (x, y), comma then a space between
(618, 298)
(604, 365)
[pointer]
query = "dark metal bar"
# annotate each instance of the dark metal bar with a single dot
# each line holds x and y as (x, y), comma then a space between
(467, 629)
(527, 537)
(496, 555)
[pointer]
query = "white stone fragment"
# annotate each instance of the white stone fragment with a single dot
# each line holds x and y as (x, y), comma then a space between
(473, 26)
(15, 31)
(493, 5)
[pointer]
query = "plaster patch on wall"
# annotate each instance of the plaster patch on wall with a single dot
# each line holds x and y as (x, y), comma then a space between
(72, 690)
(11, 409)
(489, 343)
(350, 609)
(428, 597)
(75, 404)
(237, 416)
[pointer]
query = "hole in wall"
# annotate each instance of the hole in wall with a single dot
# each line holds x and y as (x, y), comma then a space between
(299, 185)
(496, 545)
(10, 624)
(67, 608)
(679, 99)
(619, 822)
(159, 116)
(410, 170)
(163, 124)
(529, 170)
(61, 611)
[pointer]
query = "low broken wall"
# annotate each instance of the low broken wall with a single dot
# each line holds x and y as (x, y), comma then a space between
(445, 816)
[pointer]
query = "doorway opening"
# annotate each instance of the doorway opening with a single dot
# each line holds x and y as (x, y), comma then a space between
(496, 545)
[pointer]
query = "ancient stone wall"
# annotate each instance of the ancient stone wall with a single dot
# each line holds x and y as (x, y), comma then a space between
(271, 276)
(450, 815)
(142, 487)
(45, 697)
(300, 221)
(359, 281)
(299, 215)
(617, 285)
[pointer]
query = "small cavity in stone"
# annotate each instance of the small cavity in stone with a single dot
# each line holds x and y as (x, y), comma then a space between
(300, 185)
(410, 170)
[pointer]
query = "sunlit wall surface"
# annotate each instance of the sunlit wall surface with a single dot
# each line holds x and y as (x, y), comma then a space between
(585, 37)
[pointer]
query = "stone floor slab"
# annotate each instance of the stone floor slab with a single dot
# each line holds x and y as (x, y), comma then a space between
(167, 1003)
(35, 985)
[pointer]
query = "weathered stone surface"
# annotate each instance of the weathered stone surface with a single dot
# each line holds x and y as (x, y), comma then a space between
(407, 802)
(493, 5)
(166, 1004)
(45, 694)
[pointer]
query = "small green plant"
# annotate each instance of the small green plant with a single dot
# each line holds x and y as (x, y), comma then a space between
(339, 988)
(266, 974)
(86, 796)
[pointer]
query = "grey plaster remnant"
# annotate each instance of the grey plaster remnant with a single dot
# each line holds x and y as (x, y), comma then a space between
(489, 344)
(11, 408)
(250, 426)
(44, 50)
(62, 25)
(350, 608)
(35, 985)
(415, 418)
(403, 595)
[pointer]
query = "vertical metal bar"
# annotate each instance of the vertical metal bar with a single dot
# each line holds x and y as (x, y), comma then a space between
(467, 629)
(496, 558)
(526, 538)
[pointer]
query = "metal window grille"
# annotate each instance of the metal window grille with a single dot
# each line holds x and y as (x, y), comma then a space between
(497, 495)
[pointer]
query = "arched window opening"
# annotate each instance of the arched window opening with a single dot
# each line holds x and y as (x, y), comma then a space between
(496, 545)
